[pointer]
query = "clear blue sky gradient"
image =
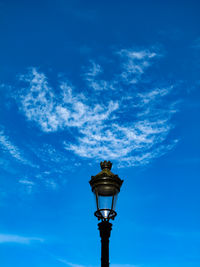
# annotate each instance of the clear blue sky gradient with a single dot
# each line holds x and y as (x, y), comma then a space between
(85, 81)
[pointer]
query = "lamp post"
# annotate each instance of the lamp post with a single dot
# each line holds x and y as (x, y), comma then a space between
(105, 186)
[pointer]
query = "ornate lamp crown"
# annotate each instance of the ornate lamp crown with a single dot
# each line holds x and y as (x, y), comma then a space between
(106, 179)
(106, 165)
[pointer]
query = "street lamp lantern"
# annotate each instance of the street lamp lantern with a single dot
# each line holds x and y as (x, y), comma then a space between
(105, 186)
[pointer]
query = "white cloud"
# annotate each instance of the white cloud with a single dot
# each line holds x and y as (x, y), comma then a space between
(124, 265)
(40, 105)
(153, 95)
(126, 125)
(70, 263)
(28, 185)
(93, 80)
(13, 150)
(134, 63)
(26, 182)
(52, 184)
(94, 69)
(9, 147)
(4, 238)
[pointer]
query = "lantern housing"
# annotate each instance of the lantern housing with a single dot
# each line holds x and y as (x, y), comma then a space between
(106, 186)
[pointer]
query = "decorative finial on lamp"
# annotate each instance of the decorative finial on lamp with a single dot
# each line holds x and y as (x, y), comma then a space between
(106, 165)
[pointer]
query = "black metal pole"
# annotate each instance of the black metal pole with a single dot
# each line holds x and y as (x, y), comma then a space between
(105, 228)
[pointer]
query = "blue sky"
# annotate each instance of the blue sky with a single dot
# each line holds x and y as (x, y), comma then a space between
(86, 81)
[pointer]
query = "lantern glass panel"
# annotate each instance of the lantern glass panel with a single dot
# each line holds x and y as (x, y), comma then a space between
(105, 204)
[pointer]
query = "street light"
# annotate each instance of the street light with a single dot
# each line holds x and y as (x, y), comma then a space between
(105, 186)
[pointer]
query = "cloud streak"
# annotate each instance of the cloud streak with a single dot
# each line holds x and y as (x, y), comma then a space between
(70, 264)
(134, 64)
(127, 124)
(4, 238)
(42, 106)
(10, 148)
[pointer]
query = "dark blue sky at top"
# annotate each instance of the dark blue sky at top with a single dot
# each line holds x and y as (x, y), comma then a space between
(85, 81)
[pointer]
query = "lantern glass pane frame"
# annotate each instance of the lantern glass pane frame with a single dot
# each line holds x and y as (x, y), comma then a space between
(106, 205)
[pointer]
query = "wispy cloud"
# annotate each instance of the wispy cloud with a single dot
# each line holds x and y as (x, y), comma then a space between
(41, 105)
(28, 184)
(92, 77)
(14, 151)
(153, 95)
(134, 64)
(94, 69)
(127, 124)
(9, 147)
(4, 238)
(124, 265)
(70, 264)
